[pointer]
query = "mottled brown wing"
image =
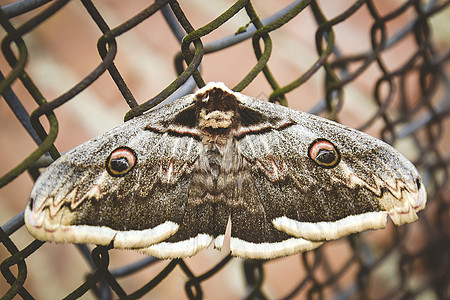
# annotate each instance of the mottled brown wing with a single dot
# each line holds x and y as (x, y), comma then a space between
(79, 200)
(316, 200)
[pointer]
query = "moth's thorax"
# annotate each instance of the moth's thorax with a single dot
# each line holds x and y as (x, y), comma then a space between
(219, 163)
(215, 120)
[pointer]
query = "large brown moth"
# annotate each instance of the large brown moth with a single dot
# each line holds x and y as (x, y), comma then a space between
(168, 182)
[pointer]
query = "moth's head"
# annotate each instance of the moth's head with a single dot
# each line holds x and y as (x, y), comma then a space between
(216, 111)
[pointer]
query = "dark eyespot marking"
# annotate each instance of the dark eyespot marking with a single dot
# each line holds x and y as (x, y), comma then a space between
(418, 183)
(324, 153)
(121, 161)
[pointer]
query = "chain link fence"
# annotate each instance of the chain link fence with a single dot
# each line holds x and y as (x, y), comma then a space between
(405, 100)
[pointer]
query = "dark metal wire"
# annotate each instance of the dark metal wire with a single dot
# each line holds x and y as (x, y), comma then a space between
(426, 269)
(21, 7)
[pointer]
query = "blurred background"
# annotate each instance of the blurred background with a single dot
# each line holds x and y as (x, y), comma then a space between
(379, 66)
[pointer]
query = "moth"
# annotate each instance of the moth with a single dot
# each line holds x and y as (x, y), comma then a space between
(167, 183)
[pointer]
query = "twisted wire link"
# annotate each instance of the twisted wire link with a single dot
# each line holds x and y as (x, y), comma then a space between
(418, 117)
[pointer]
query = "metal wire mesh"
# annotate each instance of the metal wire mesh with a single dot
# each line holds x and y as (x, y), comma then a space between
(409, 100)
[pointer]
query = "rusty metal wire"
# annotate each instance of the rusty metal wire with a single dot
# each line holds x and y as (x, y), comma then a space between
(421, 271)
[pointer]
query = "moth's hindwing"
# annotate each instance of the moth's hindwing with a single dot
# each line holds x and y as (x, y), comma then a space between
(168, 182)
